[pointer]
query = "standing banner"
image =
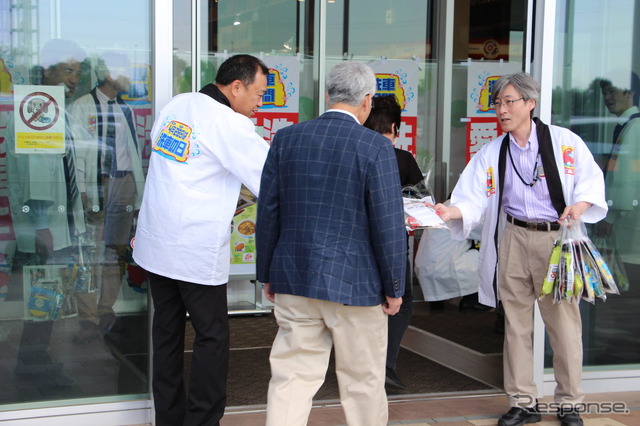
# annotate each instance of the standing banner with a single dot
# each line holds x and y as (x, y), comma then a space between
(482, 123)
(400, 78)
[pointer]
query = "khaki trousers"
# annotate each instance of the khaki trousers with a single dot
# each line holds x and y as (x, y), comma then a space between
(524, 256)
(300, 357)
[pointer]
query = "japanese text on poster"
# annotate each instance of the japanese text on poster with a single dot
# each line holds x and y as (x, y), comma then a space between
(280, 104)
(400, 78)
(39, 119)
(482, 123)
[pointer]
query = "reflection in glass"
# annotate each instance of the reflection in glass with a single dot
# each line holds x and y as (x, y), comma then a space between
(596, 95)
(56, 264)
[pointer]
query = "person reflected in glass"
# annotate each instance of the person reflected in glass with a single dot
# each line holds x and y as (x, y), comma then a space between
(521, 187)
(111, 182)
(46, 209)
(385, 118)
(622, 170)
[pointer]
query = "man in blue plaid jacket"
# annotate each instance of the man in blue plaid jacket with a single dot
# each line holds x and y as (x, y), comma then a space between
(331, 250)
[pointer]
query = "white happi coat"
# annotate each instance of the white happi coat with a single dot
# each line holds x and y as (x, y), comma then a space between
(202, 153)
(476, 195)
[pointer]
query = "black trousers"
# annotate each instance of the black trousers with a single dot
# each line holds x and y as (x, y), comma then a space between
(399, 322)
(207, 307)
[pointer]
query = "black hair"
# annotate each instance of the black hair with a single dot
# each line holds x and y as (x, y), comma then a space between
(633, 85)
(386, 111)
(240, 67)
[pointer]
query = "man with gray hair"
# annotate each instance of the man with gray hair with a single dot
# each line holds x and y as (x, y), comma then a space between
(331, 250)
(521, 187)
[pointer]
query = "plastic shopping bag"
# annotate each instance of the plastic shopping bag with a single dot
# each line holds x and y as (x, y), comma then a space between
(576, 269)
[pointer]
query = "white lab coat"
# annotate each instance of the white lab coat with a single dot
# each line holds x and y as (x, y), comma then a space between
(189, 202)
(476, 195)
(446, 268)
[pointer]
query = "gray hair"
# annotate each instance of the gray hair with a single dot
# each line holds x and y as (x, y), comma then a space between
(349, 82)
(524, 84)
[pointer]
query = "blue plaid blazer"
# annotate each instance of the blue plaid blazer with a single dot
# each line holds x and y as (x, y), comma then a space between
(330, 218)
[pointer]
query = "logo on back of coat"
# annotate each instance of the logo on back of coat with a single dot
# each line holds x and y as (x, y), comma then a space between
(173, 142)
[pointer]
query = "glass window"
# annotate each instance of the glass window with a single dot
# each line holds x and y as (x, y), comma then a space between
(278, 32)
(488, 41)
(595, 94)
(182, 49)
(75, 112)
(394, 38)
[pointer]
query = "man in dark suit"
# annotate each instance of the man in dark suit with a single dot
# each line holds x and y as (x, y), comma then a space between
(331, 250)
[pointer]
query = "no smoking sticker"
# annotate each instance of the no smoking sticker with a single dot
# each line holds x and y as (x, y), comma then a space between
(39, 111)
(39, 119)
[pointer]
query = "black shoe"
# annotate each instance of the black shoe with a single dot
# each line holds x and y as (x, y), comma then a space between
(391, 379)
(570, 418)
(470, 303)
(473, 306)
(518, 416)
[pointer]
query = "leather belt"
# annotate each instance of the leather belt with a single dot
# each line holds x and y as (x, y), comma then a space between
(534, 226)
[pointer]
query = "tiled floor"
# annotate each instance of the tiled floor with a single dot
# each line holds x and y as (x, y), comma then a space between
(452, 410)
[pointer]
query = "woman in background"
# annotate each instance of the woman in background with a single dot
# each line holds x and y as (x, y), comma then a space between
(385, 119)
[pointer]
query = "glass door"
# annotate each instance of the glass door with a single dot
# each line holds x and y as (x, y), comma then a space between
(73, 304)
(479, 41)
(596, 90)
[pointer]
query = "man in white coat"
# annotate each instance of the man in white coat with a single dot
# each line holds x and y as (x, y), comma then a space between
(522, 186)
(111, 181)
(204, 148)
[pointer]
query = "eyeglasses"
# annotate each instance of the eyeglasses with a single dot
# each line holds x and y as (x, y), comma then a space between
(508, 103)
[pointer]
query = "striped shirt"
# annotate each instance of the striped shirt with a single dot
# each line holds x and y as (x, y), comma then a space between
(524, 202)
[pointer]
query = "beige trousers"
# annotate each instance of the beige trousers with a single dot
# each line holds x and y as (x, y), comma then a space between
(524, 256)
(300, 356)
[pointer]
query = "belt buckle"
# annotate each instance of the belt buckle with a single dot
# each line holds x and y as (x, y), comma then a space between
(532, 226)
